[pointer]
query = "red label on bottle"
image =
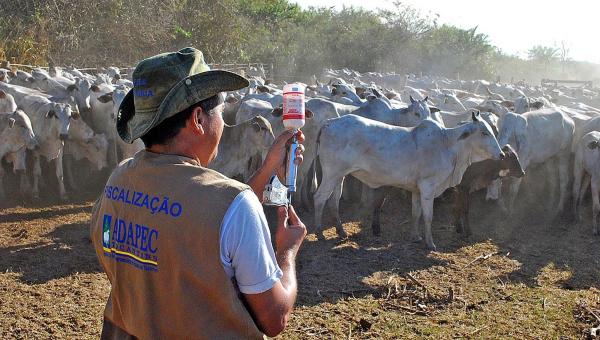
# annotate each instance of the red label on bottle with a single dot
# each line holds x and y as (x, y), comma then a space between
(293, 116)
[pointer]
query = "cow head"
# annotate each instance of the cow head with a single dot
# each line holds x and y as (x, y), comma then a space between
(80, 131)
(345, 91)
(16, 132)
(481, 139)
(63, 113)
(81, 91)
(23, 122)
(417, 111)
(521, 105)
(495, 107)
(511, 163)
(261, 133)
(94, 149)
(7, 103)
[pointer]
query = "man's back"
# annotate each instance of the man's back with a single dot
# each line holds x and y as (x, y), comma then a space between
(156, 227)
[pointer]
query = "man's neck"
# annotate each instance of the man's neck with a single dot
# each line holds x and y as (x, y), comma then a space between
(176, 148)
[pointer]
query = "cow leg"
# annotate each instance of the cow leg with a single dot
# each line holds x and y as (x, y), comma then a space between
(550, 179)
(577, 176)
(493, 190)
(584, 188)
(416, 217)
(320, 198)
(367, 204)
(515, 183)
(37, 174)
(334, 205)
(458, 210)
(379, 196)
(60, 176)
(68, 167)
(465, 217)
(596, 204)
(563, 177)
(2, 194)
(427, 207)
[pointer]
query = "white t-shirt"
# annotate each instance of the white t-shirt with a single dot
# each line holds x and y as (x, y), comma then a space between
(246, 250)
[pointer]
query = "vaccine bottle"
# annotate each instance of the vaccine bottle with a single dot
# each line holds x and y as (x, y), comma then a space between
(293, 106)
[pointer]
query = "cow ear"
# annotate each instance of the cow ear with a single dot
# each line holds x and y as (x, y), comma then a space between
(2, 94)
(106, 98)
(50, 114)
(412, 100)
(11, 122)
(537, 105)
(475, 115)
(72, 88)
(508, 104)
(593, 145)
(277, 112)
(434, 109)
(75, 115)
(262, 89)
(94, 88)
(308, 114)
(426, 99)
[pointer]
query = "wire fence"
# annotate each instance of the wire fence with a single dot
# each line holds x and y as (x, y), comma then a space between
(247, 69)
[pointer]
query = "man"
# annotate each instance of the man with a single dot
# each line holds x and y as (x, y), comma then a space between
(178, 241)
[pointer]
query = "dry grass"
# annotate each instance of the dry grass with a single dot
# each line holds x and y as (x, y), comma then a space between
(511, 280)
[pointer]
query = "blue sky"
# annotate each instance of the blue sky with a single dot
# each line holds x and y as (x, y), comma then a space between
(513, 25)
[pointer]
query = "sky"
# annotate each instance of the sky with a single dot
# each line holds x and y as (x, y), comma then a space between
(514, 26)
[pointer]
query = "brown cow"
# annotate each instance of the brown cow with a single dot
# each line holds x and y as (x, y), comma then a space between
(478, 176)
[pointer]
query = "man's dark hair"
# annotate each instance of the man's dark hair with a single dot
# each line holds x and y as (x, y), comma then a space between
(170, 127)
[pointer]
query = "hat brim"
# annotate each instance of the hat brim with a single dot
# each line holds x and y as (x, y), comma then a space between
(189, 91)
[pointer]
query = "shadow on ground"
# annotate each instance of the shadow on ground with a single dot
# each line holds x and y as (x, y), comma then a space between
(69, 251)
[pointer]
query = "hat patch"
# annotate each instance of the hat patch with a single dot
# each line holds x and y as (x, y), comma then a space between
(140, 92)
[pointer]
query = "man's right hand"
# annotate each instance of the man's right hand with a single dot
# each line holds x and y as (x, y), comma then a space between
(271, 309)
(290, 231)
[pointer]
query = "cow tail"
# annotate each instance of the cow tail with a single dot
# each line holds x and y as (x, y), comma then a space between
(314, 184)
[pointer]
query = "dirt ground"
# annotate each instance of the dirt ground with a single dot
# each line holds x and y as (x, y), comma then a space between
(517, 277)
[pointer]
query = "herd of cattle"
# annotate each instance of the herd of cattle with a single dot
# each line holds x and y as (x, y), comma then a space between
(421, 134)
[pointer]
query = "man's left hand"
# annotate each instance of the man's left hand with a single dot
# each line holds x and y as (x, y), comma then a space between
(275, 161)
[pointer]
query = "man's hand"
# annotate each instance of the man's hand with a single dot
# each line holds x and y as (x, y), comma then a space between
(275, 161)
(276, 157)
(271, 310)
(290, 231)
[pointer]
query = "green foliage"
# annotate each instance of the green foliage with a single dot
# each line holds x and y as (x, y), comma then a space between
(295, 40)
(544, 54)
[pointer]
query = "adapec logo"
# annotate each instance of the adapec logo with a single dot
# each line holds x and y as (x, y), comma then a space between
(106, 232)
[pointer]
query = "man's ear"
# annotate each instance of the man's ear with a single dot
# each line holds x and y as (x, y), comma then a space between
(198, 119)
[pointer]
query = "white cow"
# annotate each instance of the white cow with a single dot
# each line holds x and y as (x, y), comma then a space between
(539, 136)
(586, 168)
(16, 134)
(124, 150)
(426, 160)
(53, 123)
(243, 147)
(7, 103)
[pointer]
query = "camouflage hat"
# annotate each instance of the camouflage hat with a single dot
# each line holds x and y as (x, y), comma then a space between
(166, 84)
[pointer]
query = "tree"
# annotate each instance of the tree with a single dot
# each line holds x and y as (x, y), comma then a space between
(543, 54)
